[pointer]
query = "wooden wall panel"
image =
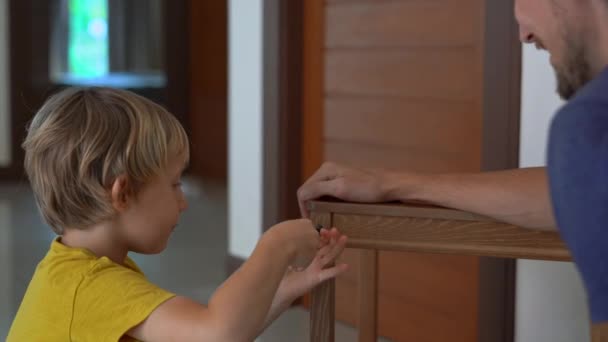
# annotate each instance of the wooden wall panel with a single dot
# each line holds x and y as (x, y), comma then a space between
(428, 303)
(396, 158)
(407, 124)
(401, 23)
(437, 303)
(438, 73)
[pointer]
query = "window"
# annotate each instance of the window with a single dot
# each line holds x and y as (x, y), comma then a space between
(88, 45)
(113, 43)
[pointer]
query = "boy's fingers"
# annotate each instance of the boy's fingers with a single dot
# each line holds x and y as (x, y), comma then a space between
(332, 272)
(334, 233)
(324, 238)
(333, 251)
(326, 248)
(323, 241)
(328, 252)
(324, 251)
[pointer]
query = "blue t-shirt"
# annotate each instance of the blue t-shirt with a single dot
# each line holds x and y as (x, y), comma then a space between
(578, 176)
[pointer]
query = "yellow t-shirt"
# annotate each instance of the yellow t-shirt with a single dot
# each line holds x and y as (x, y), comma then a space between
(75, 296)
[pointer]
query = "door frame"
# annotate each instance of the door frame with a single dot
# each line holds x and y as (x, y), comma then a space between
(500, 150)
(282, 109)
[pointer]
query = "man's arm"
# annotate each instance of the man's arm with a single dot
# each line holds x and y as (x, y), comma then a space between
(518, 196)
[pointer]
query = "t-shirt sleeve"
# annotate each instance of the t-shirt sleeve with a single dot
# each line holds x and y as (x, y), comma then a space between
(578, 177)
(112, 299)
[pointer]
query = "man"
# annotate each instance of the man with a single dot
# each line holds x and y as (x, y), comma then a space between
(571, 193)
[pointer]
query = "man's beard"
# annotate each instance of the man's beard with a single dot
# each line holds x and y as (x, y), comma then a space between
(575, 72)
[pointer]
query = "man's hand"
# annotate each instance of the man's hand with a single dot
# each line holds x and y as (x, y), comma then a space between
(345, 183)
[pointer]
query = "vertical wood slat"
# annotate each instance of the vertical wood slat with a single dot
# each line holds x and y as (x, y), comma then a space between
(323, 309)
(368, 295)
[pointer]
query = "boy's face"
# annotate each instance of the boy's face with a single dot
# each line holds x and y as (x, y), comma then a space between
(152, 216)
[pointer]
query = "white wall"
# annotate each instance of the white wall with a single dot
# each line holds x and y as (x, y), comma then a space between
(550, 303)
(5, 138)
(245, 159)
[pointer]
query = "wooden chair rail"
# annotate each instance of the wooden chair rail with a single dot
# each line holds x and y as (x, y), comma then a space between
(415, 228)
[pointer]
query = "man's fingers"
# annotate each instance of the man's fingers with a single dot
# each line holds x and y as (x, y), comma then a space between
(316, 190)
(326, 172)
(303, 210)
(308, 192)
(313, 187)
(303, 193)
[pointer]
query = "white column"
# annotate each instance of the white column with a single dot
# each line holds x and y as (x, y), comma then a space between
(245, 154)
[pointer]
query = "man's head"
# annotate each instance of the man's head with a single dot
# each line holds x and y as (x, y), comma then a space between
(89, 148)
(572, 31)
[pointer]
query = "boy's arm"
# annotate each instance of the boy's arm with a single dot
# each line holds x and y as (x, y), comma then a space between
(238, 309)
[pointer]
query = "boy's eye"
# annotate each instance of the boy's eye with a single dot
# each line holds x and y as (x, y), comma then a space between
(178, 184)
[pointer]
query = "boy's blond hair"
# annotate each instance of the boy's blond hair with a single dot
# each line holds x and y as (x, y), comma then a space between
(82, 139)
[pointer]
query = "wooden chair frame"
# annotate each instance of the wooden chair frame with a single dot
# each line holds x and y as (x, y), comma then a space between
(416, 228)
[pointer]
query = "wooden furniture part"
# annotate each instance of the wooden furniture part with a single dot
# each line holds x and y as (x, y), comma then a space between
(417, 228)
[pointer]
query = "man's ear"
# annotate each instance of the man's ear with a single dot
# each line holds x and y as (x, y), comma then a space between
(120, 193)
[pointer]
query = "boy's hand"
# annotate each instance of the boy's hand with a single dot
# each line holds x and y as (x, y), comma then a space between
(298, 281)
(298, 236)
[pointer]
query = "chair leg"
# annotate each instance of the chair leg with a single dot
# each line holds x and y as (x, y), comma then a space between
(323, 307)
(368, 306)
(322, 315)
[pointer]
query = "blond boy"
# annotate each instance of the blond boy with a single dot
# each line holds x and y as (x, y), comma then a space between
(105, 168)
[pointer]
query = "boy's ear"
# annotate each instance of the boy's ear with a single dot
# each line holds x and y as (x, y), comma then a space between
(120, 193)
